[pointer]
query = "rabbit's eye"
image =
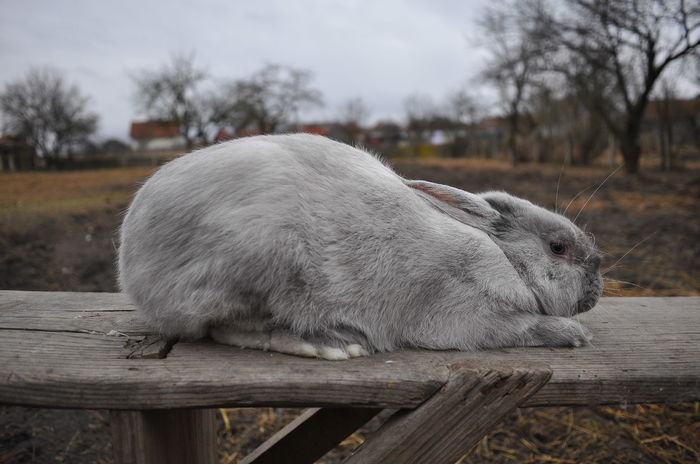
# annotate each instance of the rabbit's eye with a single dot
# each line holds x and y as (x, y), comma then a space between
(558, 248)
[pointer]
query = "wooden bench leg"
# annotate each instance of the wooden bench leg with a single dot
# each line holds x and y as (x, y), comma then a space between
(175, 436)
(453, 421)
(311, 435)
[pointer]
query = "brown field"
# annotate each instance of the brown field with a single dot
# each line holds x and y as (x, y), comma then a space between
(37, 193)
(57, 232)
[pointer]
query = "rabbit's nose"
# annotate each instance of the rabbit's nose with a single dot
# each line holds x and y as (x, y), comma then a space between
(594, 261)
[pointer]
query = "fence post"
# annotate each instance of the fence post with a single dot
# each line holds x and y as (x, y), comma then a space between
(175, 436)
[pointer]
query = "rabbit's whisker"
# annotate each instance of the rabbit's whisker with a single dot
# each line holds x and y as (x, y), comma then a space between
(596, 190)
(628, 252)
(574, 199)
(556, 195)
(608, 279)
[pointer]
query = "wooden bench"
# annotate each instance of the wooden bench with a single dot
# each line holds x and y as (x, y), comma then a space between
(89, 350)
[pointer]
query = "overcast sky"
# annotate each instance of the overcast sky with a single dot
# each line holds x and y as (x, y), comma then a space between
(380, 50)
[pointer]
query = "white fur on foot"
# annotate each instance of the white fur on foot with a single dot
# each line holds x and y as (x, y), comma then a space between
(354, 350)
(332, 354)
(284, 343)
(305, 349)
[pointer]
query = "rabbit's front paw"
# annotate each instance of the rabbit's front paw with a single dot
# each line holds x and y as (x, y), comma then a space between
(560, 331)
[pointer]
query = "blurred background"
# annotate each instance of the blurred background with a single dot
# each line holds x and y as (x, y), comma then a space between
(589, 107)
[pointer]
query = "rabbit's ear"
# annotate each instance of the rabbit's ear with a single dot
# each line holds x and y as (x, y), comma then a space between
(465, 201)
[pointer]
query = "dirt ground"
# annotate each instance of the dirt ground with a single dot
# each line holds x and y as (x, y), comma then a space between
(57, 232)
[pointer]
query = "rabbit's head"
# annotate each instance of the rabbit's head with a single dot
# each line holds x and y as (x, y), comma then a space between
(555, 258)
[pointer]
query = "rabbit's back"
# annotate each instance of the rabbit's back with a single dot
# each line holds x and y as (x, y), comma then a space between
(264, 225)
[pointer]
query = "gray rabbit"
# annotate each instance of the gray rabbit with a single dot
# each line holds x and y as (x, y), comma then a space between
(302, 245)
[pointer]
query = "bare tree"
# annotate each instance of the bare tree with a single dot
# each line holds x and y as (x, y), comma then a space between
(419, 107)
(171, 93)
(463, 107)
(216, 111)
(353, 112)
(664, 115)
(512, 67)
(273, 96)
(462, 113)
(614, 52)
(551, 125)
(51, 115)
(564, 125)
(421, 112)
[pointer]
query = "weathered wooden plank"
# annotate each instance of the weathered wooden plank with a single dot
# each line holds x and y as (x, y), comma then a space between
(174, 436)
(645, 349)
(64, 301)
(83, 321)
(311, 435)
(76, 370)
(454, 420)
(149, 347)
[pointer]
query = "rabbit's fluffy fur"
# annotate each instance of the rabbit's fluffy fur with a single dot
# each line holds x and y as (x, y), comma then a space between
(303, 245)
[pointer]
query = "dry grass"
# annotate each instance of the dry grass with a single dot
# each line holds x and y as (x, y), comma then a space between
(39, 193)
(639, 433)
(642, 433)
(58, 229)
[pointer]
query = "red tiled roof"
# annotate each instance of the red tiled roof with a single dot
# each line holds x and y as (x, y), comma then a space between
(317, 129)
(247, 132)
(223, 134)
(153, 129)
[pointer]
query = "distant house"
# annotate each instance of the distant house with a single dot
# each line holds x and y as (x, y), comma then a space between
(332, 131)
(156, 136)
(385, 133)
(15, 154)
(247, 131)
(222, 135)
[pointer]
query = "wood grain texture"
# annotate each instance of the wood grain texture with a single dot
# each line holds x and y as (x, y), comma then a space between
(68, 301)
(454, 420)
(176, 436)
(55, 351)
(643, 350)
(311, 435)
(78, 370)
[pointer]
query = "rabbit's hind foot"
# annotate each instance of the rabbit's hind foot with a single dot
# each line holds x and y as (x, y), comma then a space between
(283, 342)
